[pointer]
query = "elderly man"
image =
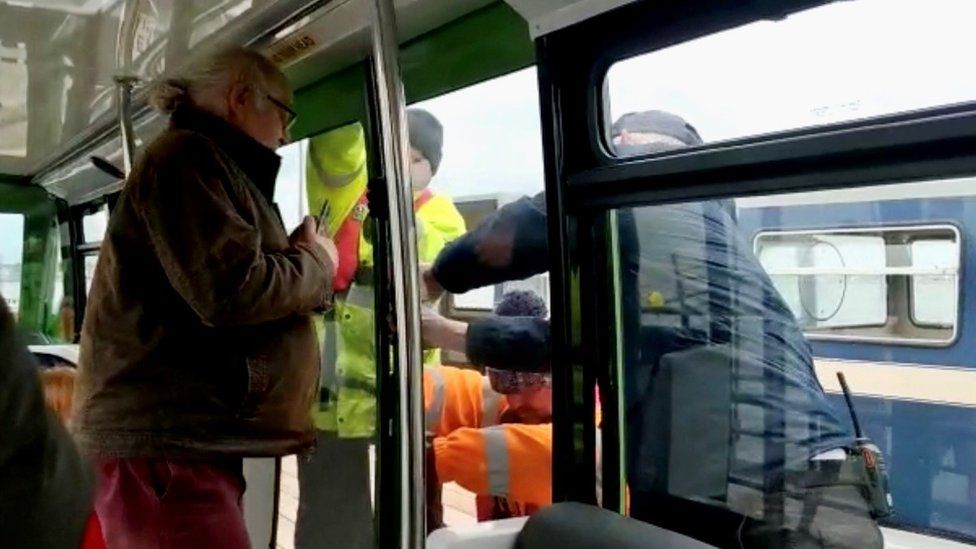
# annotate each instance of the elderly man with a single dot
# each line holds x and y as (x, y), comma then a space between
(197, 347)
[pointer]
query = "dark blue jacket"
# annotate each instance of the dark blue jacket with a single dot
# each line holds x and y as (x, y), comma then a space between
(709, 294)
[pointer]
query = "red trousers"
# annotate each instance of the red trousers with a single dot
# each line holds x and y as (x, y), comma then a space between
(170, 504)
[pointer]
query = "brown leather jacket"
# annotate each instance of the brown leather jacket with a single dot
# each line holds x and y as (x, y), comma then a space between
(197, 340)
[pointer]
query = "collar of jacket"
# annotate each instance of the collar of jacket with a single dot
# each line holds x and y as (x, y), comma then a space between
(258, 162)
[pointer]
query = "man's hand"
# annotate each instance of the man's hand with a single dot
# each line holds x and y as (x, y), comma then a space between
(442, 333)
(307, 234)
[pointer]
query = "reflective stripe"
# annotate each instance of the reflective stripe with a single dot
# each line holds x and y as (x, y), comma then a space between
(432, 415)
(490, 402)
(359, 296)
(599, 466)
(496, 454)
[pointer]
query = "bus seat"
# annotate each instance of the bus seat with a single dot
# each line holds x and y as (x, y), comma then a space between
(495, 534)
(580, 526)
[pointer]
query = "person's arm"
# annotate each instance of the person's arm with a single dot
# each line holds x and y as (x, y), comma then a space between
(44, 482)
(511, 460)
(510, 244)
(211, 251)
(500, 342)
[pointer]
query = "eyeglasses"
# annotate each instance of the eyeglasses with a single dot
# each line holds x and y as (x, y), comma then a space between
(290, 114)
(507, 382)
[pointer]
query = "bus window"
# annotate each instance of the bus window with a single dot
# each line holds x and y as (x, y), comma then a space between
(717, 348)
(11, 257)
(331, 168)
(290, 195)
(772, 76)
(94, 224)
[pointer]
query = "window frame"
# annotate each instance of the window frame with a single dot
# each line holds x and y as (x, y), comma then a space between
(880, 340)
(584, 184)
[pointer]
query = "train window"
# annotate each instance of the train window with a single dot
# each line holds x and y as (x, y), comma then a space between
(290, 195)
(750, 88)
(935, 296)
(717, 346)
(94, 224)
(11, 258)
(887, 285)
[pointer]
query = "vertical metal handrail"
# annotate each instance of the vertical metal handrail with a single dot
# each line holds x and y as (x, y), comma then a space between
(124, 85)
(406, 289)
(125, 80)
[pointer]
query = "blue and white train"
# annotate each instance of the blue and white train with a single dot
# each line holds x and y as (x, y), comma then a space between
(878, 277)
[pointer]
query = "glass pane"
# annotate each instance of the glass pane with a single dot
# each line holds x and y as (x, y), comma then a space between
(748, 310)
(477, 150)
(290, 195)
(93, 225)
(13, 99)
(61, 324)
(11, 258)
(858, 282)
(935, 297)
(331, 168)
(772, 76)
(91, 261)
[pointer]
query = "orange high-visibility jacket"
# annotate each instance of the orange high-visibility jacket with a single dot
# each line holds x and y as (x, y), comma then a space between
(512, 460)
(471, 448)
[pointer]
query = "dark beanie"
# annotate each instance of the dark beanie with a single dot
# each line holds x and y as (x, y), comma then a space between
(426, 135)
(522, 303)
(659, 122)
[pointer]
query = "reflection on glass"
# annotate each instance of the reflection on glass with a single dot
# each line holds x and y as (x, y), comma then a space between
(748, 309)
(289, 194)
(13, 101)
(91, 261)
(778, 75)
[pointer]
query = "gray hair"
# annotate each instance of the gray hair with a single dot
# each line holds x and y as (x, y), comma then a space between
(203, 83)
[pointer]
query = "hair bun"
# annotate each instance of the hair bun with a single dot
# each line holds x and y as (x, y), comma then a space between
(169, 94)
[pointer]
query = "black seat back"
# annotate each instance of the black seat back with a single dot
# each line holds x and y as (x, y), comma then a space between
(582, 526)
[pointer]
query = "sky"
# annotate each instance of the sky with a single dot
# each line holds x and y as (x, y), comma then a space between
(840, 62)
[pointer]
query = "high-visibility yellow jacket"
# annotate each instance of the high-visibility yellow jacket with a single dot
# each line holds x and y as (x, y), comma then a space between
(348, 397)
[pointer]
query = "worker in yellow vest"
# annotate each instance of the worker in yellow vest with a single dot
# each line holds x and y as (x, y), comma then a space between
(335, 507)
